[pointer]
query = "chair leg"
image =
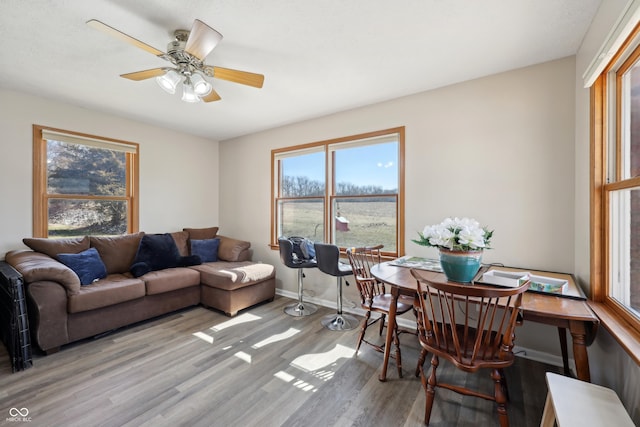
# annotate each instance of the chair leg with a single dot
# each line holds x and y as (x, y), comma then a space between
(501, 398)
(365, 323)
(430, 388)
(396, 341)
(382, 320)
(503, 379)
(423, 356)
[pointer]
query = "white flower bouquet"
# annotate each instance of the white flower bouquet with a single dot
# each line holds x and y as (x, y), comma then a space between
(456, 234)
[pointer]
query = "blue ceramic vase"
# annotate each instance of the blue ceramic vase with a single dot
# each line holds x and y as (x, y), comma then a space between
(460, 266)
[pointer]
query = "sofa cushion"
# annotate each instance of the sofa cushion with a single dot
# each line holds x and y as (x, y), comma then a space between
(181, 238)
(117, 252)
(86, 264)
(233, 250)
(53, 247)
(157, 251)
(113, 289)
(234, 275)
(201, 233)
(157, 282)
(206, 249)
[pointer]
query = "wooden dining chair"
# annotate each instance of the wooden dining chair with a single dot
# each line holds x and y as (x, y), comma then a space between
(471, 326)
(374, 297)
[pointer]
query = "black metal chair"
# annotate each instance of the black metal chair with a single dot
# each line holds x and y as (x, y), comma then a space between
(300, 308)
(328, 257)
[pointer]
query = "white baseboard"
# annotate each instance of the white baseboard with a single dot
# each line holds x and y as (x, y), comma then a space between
(349, 307)
(540, 356)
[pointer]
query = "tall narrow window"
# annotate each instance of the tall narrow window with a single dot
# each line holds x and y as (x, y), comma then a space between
(616, 184)
(623, 188)
(347, 191)
(83, 185)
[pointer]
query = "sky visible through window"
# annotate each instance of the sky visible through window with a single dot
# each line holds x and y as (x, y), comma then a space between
(375, 165)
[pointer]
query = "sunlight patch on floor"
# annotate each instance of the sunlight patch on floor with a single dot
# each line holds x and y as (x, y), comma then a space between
(276, 337)
(315, 368)
(243, 318)
(204, 337)
(315, 361)
(243, 356)
(304, 386)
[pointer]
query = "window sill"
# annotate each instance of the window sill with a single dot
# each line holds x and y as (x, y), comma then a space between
(621, 330)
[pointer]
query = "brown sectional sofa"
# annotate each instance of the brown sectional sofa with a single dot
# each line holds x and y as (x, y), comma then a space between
(61, 310)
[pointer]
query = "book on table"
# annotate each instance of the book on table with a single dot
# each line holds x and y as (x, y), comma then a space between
(544, 282)
(418, 262)
(516, 278)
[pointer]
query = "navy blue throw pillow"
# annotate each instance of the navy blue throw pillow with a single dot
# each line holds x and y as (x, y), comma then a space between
(157, 251)
(206, 249)
(139, 269)
(189, 260)
(87, 265)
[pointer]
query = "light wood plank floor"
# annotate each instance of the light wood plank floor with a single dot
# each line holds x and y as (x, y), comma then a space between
(198, 367)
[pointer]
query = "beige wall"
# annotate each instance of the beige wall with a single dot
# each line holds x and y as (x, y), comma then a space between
(498, 149)
(179, 172)
(610, 365)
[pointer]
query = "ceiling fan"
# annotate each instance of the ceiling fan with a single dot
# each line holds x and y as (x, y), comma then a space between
(187, 54)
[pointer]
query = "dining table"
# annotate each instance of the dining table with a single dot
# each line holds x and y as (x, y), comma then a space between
(569, 311)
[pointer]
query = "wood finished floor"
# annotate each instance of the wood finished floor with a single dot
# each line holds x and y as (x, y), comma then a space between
(262, 368)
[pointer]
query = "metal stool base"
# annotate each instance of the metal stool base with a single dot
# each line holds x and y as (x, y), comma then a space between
(300, 309)
(340, 322)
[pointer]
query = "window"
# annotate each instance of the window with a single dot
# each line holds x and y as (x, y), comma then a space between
(347, 191)
(83, 185)
(616, 184)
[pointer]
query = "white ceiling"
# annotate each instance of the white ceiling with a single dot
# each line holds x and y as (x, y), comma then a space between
(318, 56)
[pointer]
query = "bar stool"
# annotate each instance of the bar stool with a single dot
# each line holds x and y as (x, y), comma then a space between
(300, 308)
(328, 257)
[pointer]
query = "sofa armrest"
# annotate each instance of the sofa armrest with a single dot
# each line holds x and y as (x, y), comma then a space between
(36, 267)
(233, 250)
(48, 315)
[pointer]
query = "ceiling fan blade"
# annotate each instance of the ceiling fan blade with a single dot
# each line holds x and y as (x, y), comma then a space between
(143, 75)
(213, 96)
(122, 36)
(236, 76)
(202, 39)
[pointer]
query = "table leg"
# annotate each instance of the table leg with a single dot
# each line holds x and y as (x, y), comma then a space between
(549, 414)
(579, 336)
(562, 334)
(391, 326)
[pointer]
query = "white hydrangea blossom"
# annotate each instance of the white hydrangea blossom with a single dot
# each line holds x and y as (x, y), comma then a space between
(461, 234)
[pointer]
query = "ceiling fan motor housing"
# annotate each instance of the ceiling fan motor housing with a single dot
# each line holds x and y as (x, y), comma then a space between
(175, 46)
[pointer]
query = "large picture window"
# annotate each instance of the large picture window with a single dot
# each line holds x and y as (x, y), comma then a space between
(347, 191)
(83, 185)
(616, 185)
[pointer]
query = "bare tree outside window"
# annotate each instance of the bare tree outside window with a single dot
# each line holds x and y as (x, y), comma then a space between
(87, 185)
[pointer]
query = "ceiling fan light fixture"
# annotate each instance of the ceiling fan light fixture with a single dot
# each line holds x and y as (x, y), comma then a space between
(201, 87)
(169, 81)
(188, 94)
(187, 54)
